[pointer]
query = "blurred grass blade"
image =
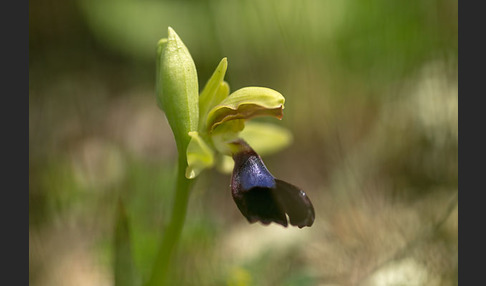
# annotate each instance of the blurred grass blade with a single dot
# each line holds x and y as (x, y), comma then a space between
(124, 267)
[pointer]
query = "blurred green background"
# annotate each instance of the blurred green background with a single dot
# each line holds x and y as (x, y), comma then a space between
(371, 100)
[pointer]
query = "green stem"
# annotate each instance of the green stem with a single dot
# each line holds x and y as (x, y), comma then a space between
(174, 228)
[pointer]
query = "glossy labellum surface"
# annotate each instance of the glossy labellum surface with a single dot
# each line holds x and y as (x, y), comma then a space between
(262, 197)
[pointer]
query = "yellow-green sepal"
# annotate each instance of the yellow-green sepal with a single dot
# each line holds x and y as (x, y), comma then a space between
(199, 155)
(266, 138)
(246, 103)
(224, 164)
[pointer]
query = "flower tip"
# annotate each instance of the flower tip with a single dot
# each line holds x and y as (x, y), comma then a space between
(160, 45)
(190, 173)
(172, 35)
(224, 65)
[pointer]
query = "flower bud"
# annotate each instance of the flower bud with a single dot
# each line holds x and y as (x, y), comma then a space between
(177, 88)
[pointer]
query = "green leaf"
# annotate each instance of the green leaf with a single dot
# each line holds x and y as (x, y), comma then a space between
(266, 138)
(199, 156)
(177, 88)
(124, 267)
(247, 103)
(215, 91)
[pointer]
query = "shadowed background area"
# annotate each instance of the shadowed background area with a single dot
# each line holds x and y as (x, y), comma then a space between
(371, 101)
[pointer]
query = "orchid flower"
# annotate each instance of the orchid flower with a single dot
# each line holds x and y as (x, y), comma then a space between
(212, 129)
